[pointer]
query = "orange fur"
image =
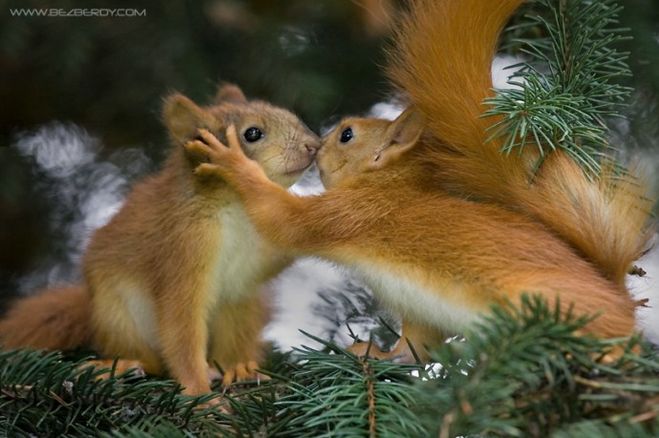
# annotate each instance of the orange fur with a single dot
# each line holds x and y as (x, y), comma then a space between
(433, 217)
(438, 260)
(56, 319)
(175, 278)
(442, 62)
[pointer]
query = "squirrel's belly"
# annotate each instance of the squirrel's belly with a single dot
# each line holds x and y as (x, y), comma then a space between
(418, 303)
(245, 260)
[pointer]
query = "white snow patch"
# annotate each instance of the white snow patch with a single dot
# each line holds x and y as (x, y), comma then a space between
(647, 287)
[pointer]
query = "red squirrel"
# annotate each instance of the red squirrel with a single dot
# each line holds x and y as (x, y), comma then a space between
(431, 216)
(174, 281)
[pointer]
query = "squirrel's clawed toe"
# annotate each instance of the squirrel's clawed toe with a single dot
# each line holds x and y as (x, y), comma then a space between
(241, 372)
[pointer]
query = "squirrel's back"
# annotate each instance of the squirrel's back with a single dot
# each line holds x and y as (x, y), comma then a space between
(442, 61)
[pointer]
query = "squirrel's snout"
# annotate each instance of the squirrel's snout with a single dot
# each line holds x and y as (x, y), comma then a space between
(312, 147)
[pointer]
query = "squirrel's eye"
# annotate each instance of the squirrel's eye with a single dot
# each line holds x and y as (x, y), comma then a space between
(346, 135)
(253, 134)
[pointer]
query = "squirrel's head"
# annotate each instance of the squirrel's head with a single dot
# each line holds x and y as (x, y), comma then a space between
(358, 145)
(272, 136)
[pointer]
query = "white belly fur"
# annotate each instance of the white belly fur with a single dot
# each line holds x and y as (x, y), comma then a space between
(141, 308)
(245, 258)
(414, 302)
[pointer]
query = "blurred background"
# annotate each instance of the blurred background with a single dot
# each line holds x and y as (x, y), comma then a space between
(80, 99)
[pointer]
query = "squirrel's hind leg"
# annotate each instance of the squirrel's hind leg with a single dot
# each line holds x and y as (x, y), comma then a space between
(116, 334)
(236, 343)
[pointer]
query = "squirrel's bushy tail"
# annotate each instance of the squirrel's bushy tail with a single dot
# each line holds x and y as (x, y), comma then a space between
(606, 219)
(442, 60)
(55, 319)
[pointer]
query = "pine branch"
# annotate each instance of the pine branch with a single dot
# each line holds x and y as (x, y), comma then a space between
(335, 393)
(567, 86)
(601, 429)
(524, 372)
(42, 394)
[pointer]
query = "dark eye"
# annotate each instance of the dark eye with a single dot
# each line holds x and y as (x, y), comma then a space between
(253, 134)
(346, 135)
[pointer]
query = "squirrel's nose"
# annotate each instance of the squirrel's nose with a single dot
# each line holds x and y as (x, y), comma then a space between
(312, 148)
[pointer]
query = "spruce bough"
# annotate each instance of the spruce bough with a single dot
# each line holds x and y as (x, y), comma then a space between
(521, 372)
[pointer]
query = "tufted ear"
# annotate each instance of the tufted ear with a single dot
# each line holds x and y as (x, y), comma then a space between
(183, 117)
(402, 134)
(230, 93)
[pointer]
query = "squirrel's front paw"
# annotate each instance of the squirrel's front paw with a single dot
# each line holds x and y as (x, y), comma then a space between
(217, 158)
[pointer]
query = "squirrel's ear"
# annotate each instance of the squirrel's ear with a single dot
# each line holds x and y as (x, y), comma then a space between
(230, 93)
(183, 117)
(402, 135)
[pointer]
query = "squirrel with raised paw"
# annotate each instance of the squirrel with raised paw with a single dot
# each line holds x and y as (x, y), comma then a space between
(428, 212)
(174, 281)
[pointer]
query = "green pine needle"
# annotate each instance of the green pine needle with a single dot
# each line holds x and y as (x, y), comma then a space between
(521, 372)
(43, 394)
(336, 393)
(524, 372)
(568, 86)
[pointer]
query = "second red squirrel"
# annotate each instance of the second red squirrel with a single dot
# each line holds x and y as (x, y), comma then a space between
(606, 220)
(431, 216)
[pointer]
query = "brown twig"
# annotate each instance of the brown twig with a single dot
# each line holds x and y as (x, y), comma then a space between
(638, 271)
(370, 391)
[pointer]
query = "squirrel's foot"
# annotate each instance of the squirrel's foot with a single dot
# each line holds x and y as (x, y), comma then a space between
(400, 354)
(363, 349)
(242, 371)
(219, 404)
(135, 367)
(617, 352)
